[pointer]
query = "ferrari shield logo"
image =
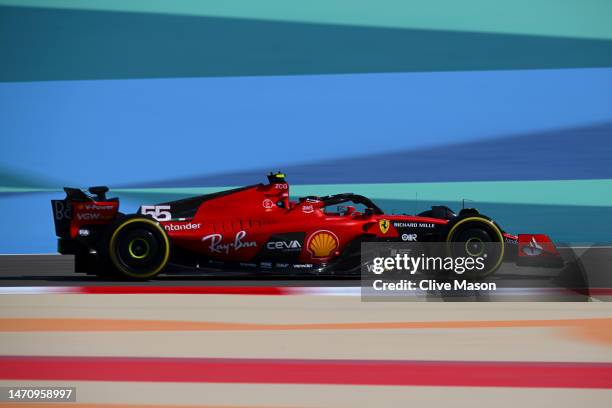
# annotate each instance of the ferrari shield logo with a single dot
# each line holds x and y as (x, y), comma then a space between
(384, 226)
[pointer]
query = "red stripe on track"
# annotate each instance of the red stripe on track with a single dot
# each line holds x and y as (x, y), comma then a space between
(253, 290)
(279, 371)
(208, 290)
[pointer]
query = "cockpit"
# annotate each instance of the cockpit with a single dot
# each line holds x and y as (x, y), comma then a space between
(346, 204)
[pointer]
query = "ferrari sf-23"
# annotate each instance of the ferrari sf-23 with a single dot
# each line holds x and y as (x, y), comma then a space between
(260, 228)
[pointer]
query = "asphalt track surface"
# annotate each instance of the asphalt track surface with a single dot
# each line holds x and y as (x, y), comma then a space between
(58, 270)
(585, 267)
(583, 278)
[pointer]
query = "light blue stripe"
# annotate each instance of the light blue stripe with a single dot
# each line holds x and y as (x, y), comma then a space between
(131, 131)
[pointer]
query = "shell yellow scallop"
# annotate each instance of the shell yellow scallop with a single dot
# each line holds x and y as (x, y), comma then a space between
(322, 244)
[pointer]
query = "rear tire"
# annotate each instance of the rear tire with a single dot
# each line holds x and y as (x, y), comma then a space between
(137, 248)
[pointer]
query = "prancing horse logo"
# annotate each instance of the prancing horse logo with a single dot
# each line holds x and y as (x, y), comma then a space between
(383, 225)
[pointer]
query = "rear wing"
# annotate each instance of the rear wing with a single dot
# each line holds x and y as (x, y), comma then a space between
(79, 210)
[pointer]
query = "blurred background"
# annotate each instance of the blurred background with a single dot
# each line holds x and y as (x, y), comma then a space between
(505, 104)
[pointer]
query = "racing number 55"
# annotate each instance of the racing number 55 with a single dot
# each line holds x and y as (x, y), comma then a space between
(159, 212)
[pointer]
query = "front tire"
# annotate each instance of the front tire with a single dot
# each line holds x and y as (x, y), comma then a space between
(477, 237)
(138, 248)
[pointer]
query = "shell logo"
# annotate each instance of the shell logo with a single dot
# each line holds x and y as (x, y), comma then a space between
(322, 244)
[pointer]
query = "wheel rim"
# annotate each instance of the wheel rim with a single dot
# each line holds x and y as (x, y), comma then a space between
(474, 246)
(139, 248)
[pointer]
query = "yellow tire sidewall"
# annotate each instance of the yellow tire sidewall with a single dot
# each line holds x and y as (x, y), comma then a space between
(489, 224)
(113, 255)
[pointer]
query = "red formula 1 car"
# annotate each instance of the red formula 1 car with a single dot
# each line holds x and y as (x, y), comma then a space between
(259, 227)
